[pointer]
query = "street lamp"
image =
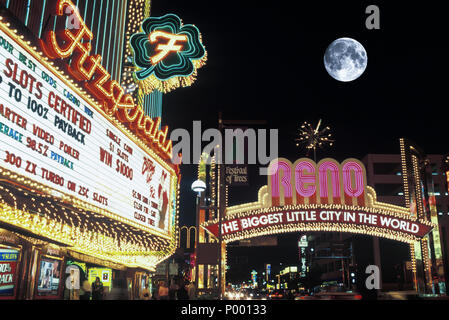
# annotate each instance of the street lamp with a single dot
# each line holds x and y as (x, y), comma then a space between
(199, 186)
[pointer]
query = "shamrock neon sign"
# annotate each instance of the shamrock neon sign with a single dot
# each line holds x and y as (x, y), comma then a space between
(167, 53)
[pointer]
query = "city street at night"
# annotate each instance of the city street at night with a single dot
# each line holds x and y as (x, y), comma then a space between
(234, 159)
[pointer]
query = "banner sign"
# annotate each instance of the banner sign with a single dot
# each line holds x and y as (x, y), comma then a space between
(346, 217)
(236, 175)
(323, 196)
(50, 134)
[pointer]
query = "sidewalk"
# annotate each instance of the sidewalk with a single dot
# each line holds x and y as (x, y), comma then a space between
(409, 295)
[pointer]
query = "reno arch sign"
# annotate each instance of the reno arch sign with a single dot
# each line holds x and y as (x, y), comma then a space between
(328, 182)
(323, 196)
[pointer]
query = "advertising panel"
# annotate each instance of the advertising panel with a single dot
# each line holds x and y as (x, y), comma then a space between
(8, 271)
(52, 135)
(104, 274)
(49, 277)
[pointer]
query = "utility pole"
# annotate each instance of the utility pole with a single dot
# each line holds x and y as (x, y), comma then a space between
(221, 207)
(222, 124)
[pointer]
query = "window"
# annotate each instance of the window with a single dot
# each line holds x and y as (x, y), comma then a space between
(388, 189)
(387, 168)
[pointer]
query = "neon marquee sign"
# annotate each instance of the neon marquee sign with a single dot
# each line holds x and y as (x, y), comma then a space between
(328, 182)
(328, 196)
(88, 69)
(167, 53)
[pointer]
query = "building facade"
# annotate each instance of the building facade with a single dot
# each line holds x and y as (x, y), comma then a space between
(384, 173)
(82, 195)
(112, 21)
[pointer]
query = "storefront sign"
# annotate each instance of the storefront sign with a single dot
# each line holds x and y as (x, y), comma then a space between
(53, 251)
(51, 134)
(302, 243)
(165, 51)
(236, 175)
(8, 269)
(74, 44)
(173, 269)
(104, 274)
(8, 237)
(161, 268)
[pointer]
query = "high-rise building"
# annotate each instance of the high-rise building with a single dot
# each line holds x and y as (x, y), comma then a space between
(385, 176)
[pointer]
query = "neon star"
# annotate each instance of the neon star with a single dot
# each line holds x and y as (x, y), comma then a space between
(165, 49)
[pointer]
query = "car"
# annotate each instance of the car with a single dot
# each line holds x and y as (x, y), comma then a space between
(234, 295)
(275, 295)
(253, 294)
(305, 297)
(329, 295)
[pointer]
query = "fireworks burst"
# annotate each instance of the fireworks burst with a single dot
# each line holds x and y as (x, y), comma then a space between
(311, 138)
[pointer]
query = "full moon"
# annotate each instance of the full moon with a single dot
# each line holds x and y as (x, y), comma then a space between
(345, 59)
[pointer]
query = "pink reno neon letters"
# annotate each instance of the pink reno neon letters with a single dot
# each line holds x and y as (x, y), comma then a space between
(327, 182)
(282, 176)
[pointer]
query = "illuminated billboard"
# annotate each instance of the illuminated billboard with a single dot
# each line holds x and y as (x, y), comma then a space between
(104, 274)
(8, 271)
(52, 135)
(49, 279)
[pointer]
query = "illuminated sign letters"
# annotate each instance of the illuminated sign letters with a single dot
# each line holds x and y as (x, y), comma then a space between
(51, 135)
(88, 69)
(325, 196)
(328, 182)
(167, 50)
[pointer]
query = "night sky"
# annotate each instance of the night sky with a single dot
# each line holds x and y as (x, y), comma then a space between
(265, 61)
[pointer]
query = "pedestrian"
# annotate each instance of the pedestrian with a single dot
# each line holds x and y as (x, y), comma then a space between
(162, 291)
(155, 291)
(191, 291)
(182, 293)
(173, 289)
(86, 290)
(398, 271)
(146, 294)
(97, 289)
(119, 290)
